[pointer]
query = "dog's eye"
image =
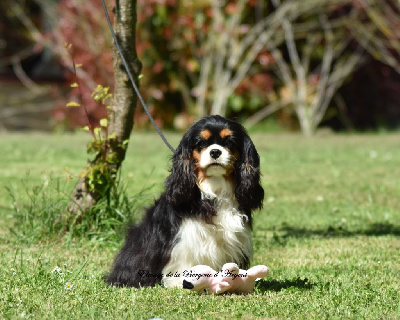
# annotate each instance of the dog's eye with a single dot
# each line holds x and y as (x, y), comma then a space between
(201, 144)
(229, 144)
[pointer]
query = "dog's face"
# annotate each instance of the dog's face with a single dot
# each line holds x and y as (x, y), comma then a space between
(215, 152)
(215, 146)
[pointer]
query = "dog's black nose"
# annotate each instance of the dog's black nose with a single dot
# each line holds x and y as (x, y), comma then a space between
(215, 153)
(187, 285)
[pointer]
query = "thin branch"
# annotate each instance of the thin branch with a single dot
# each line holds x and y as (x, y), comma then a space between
(325, 65)
(26, 21)
(339, 75)
(310, 44)
(283, 69)
(202, 86)
(246, 63)
(265, 112)
(23, 77)
(343, 112)
(376, 48)
(186, 95)
(19, 56)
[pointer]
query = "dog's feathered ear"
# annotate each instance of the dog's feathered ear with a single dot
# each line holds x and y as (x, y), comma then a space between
(180, 186)
(249, 192)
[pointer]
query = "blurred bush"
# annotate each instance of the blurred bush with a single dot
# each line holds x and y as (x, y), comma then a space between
(170, 45)
(209, 56)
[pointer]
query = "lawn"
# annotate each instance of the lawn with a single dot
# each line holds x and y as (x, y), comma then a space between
(329, 232)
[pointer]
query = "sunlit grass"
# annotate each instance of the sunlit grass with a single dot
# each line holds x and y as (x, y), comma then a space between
(329, 232)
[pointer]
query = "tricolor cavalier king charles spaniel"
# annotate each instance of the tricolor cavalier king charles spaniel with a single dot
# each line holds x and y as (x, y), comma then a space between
(204, 215)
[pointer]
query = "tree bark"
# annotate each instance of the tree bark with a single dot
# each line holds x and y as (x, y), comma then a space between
(124, 104)
(123, 107)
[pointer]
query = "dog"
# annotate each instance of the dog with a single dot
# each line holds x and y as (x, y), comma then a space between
(205, 214)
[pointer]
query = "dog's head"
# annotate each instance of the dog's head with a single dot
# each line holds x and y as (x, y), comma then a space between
(215, 146)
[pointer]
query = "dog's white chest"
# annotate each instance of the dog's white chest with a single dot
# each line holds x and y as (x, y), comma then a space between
(228, 239)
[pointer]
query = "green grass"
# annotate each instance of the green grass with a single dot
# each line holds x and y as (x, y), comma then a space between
(329, 232)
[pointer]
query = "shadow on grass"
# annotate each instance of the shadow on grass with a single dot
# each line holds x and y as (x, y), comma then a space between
(375, 229)
(277, 285)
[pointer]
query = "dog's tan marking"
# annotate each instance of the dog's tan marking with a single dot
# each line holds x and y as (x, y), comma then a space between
(200, 174)
(196, 156)
(206, 134)
(225, 133)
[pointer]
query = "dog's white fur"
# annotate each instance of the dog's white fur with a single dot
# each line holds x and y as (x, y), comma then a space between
(198, 242)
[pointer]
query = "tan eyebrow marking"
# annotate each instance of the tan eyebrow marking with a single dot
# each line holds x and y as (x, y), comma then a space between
(206, 134)
(225, 133)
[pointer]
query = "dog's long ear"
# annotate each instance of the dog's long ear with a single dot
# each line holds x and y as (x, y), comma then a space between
(249, 192)
(180, 186)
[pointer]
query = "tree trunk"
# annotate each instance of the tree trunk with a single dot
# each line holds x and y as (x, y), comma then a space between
(123, 107)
